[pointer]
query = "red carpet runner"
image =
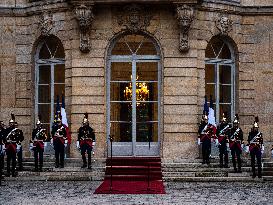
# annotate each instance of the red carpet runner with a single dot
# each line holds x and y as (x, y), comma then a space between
(134, 175)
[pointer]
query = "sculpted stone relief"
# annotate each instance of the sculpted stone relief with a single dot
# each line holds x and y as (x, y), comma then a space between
(134, 18)
(85, 16)
(46, 23)
(185, 16)
(224, 24)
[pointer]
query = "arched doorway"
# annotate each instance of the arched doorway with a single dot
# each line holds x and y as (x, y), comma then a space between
(133, 96)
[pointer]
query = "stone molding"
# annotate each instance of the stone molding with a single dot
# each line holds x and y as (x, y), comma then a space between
(85, 16)
(184, 15)
(46, 23)
(134, 18)
(224, 24)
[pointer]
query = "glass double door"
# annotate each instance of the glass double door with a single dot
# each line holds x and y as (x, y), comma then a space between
(133, 107)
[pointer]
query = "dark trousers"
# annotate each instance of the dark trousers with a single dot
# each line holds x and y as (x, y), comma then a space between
(236, 153)
(256, 153)
(206, 149)
(59, 154)
(38, 157)
(86, 148)
(223, 154)
(20, 158)
(11, 156)
(1, 164)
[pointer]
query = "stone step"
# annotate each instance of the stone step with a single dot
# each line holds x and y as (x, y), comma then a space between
(205, 174)
(211, 165)
(213, 179)
(209, 169)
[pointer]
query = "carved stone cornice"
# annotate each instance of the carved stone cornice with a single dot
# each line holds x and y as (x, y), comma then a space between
(46, 23)
(85, 17)
(185, 14)
(134, 18)
(224, 24)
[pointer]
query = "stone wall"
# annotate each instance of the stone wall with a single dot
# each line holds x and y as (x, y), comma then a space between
(183, 84)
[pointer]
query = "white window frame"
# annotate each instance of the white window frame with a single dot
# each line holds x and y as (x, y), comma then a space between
(216, 62)
(52, 63)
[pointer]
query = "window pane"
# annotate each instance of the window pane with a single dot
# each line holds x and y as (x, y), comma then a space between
(122, 131)
(146, 132)
(44, 74)
(217, 49)
(121, 71)
(44, 111)
(225, 94)
(121, 112)
(44, 52)
(44, 94)
(52, 48)
(121, 48)
(130, 44)
(59, 89)
(146, 92)
(59, 73)
(210, 90)
(147, 112)
(121, 91)
(225, 74)
(210, 73)
(225, 108)
(147, 71)
(147, 48)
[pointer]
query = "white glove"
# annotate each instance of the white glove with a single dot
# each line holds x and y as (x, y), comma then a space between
(30, 146)
(247, 149)
(272, 153)
(65, 143)
(93, 144)
(242, 146)
(45, 144)
(51, 141)
(262, 147)
(78, 145)
(216, 142)
(18, 147)
(198, 141)
(2, 149)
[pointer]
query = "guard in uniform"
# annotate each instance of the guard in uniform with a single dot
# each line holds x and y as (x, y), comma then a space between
(223, 131)
(86, 141)
(12, 140)
(59, 140)
(37, 143)
(255, 141)
(20, 139)
(2, 147)
(205, 133)
(235, 143)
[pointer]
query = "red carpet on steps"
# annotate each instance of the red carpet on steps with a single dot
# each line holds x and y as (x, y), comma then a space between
(132, 175)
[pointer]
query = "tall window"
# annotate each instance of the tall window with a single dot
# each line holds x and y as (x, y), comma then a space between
(50, 78)
(220, 77)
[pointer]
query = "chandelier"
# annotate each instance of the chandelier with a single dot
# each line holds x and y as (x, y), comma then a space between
(142, 92)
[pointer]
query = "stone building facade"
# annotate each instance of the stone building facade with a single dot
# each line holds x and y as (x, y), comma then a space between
(187, 49)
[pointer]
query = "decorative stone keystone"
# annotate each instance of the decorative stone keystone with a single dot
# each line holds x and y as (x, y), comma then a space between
(224, 24)
(46, 23)
(185, 16)
(85, 16)
(134, 17)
